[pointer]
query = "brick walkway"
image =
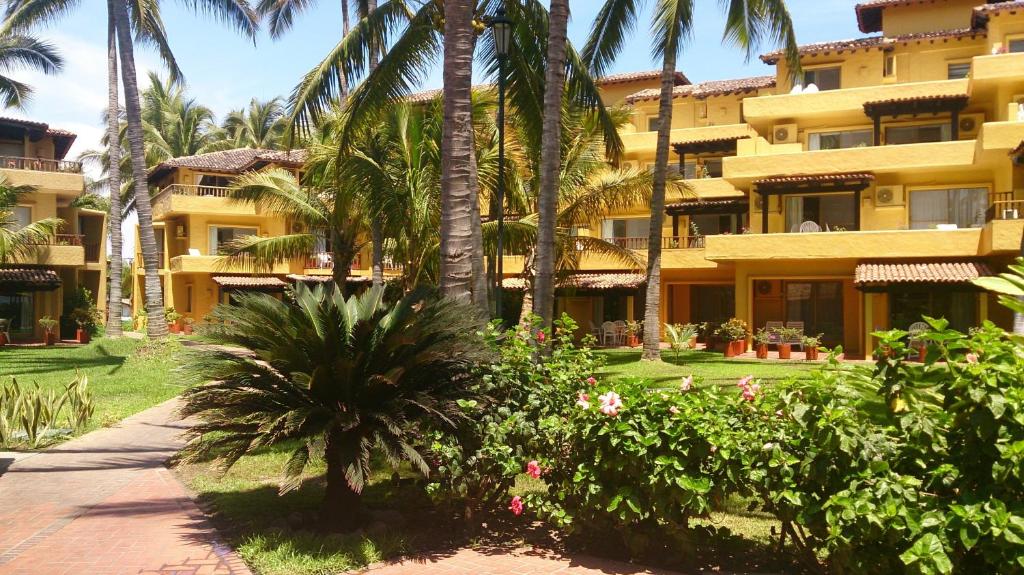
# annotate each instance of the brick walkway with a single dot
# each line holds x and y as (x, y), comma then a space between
(105, 504)
(506, 562)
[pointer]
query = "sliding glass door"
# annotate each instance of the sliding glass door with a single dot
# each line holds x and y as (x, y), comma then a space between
(819, 305)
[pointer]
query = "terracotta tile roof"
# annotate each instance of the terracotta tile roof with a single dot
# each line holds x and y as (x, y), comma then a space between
(31, 279)
(982, 13)
(928, 272)
(328, 279)
(607, 281)
(232, 161)
(880, 42)
(627, 77)
(250, 282)
(708, 89)
(62, 138)
(813, 178)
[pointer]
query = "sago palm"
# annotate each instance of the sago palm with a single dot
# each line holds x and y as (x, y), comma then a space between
(345, 379)
(16, 240)
(747, 24)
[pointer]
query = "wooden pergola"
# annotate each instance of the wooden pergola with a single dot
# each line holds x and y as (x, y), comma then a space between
(701, 206)
(916, 106)
(855, 182)
(725, 145)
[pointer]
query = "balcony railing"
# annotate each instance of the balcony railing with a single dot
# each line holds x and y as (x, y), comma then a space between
(324, 261)
(40, 165)
(92, 252)
(1005, 210)
(62, 240)
(196, 191)
(667, 242)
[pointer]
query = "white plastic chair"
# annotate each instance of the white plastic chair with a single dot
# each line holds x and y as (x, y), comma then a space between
(609, 331)
(916, 329)
(809, 227)
(193, 252)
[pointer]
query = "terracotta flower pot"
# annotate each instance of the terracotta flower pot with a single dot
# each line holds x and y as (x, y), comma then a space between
(187, 329)
(922, 353)
(785, 350)
(632, 341)
(693, 342)
(173, 327)
(730, 349)
(3, 339)
(82, 335)
(762, 351)
(811, 353)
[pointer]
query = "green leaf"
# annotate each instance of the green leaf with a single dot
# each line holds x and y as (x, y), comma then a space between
(929, 554)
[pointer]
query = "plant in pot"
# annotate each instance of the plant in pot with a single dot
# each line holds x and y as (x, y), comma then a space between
(734, 332)
(3, 332)
(172, 318)
(189, 323)
(811, 345)
(85, 319)
(49, 326)
(761, 340)
(633, 330)
(787, 336)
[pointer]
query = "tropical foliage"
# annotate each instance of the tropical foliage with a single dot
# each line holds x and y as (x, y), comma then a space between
(19, 240)
(346, 379)
(20, 51)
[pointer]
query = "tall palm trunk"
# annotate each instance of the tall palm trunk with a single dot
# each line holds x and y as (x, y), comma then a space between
(342, 80)
(652, 305)
(457, 152)
(147, 237)
(481, 293)
(376, 230)
(114, 182)
(551, 160)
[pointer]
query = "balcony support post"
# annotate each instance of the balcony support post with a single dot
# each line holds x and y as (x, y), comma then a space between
(877, 120)
(766, 200)
(675, 225)
(856, 210)
(954, 125)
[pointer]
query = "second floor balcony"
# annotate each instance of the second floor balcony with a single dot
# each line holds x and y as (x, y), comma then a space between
(190, 199)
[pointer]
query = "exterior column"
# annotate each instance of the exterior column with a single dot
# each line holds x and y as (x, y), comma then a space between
(675, 225)
(766, 201)
(877, 129)
(869, 322)
(856, 210)
(954, 127)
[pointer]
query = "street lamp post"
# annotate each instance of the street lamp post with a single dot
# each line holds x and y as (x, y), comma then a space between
(501, 27)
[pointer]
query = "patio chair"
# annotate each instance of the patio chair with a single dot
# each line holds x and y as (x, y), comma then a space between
(916, 329)
(798, 340)
(595, 331)
(771, 327)
(609, 331)
(809, 227)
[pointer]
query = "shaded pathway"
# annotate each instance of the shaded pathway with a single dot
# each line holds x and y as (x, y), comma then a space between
(105, 503)
(501, 561)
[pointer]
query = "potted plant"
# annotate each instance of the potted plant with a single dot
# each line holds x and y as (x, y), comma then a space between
(49, 326)
(633, 330)
(3, 332)
(734, 332)
(692, 329)
(761, 340)
(787, 336)
(85, 319)
(172, 318)
(188, 328)
(811, 345)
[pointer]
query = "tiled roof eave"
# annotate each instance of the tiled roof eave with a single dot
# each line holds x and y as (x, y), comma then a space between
(883, 274)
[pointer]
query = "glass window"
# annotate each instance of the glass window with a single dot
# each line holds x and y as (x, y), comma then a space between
(896, 135)
(890, 66)
(18, 308)
(909, 305)
(964, 207)
(823, 78)
(702, 109)
(12, 149)
(653, 123)
(712, 303)
(703, 168)
(833, 212)
(841, 139)
(819, 305)
(22, 217)
(1016, 45)
(221, 236)
(712, 224)
(958, 70)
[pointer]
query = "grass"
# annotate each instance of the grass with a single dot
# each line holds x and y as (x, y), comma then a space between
(268, 530)
(125, 375)
(706, 367)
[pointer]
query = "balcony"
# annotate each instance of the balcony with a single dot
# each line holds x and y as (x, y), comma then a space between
(845, 102)
(996, 68)
(218, 264)
(678, 252)
(40, 165)
(61, 250)
(903, 158)
(46, 175)
(182, 199)
(646, 143)
(848, 245)
(323, 262)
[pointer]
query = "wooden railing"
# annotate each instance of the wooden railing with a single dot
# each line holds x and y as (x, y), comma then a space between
(62, 240)
(40, 165)
(93, 252)
(196, 191)
(667, 242)
(324, 262)
(1005, 210)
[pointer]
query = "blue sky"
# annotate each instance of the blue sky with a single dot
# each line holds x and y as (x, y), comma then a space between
(224, 70)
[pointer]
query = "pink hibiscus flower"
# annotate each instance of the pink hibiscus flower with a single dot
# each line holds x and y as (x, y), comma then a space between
(673, 410)
(687, 383)
(610, 403)
(540, 337)
(583, 401)
(516, 506)
(592, 381)
(533, 469)
(972, 358)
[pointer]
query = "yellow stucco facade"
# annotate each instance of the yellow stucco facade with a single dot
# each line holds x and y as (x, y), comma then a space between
(32, 154)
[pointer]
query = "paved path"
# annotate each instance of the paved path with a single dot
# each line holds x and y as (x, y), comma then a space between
(506, 562)
(105, 504)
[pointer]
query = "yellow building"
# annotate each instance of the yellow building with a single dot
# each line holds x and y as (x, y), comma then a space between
(865, 196)
(193, 218)
(32, 154)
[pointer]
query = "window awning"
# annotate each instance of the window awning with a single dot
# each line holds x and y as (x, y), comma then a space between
(817, 183)
(28, 279)
(595, 282)
(709, 145)
(253, 283)
(708, 206)
(913, 106)
(877, 275)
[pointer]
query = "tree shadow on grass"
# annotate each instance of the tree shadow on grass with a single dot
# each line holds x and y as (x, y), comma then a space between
(27, 361)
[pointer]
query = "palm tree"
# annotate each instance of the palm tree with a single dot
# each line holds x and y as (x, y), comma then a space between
(346, 379)
(114, 289)
(544, 285)
(18, 51)
(18, 241)
(747, 23)
(261, 125)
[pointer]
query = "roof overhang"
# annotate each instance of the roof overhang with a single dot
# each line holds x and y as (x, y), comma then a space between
(582, 282)
(916, 106)
(709, 206)
(250, 283)
(814, 183)
(13, 280)
(882, 276)
(725, 145)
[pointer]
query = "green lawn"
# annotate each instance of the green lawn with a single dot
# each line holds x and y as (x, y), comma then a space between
(125, 375)
(706, 367)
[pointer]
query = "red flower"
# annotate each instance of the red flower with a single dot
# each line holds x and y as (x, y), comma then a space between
(516, 506)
